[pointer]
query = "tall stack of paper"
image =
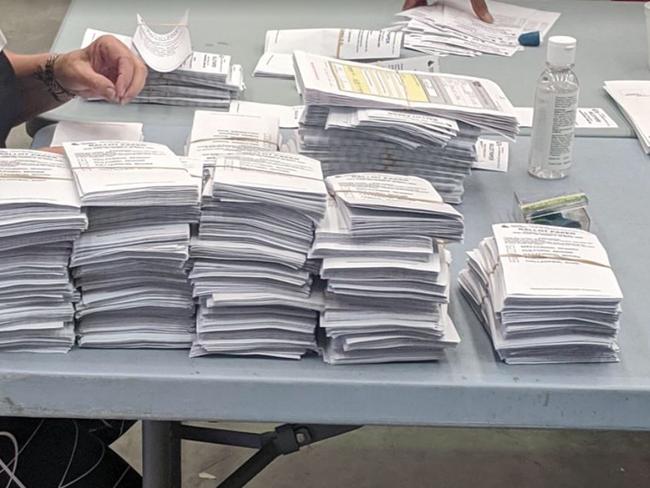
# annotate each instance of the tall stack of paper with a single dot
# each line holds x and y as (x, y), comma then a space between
(131, 265)
(202, 80)
(544, 294)
(450, 27)
(250, 271)
(40, 217)
(279, 45)
(633, 98)
(387, 274)
(368, 118)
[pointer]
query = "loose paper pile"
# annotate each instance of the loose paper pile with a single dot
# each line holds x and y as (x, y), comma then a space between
(387, 275)
(40, 217)
(277, 60)
(633, 98)
(250, 271)
(544, 294)
(202, 80)
(131, 264)
(368, 118)
(70, 131)
(450, 27)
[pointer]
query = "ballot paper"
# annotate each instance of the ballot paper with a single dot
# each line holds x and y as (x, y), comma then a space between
(40, 217)
(201, 80)
(360, 118)
(163, 52)
(633, 98)
(586, 118)
(70, 131)
(131, 265)
(255, 288)
(358, 44)
(380, 203)
(544, 294)
(449, 27)
(414, 63)
(123, 173)
(492, 155)
(330, 82)
(288, 116)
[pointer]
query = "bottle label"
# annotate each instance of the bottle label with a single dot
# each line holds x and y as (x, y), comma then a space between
(562, 131)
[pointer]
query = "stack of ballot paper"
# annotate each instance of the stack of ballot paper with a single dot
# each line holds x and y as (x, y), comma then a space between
(279, 45)
(131, 264)
(386, 268)
(70, 131)
(368, 118)
(40, 217)
(202, 80)
(633, 98)
(544, 294)
(250, 271)
(450, 27)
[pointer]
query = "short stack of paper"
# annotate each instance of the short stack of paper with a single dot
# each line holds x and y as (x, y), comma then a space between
(40, 217)
(131, 265)
(250, 272)
(387, 274)
(202, 80)
(633, 98)
(450, 27)
(279, 45)
(544, 294)
(368, 118)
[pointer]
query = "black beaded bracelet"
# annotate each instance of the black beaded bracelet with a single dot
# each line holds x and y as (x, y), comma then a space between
(46, 75)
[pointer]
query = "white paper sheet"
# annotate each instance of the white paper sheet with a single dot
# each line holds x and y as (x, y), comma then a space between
(163, 52)
(492, 155)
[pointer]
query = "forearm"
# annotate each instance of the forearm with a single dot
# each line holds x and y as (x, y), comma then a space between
(34, 93)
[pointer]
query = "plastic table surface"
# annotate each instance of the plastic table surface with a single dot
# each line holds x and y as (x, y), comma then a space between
(470, 387)
(611, 45)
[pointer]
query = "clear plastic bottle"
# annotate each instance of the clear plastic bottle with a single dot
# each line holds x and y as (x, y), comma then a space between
(556, 103)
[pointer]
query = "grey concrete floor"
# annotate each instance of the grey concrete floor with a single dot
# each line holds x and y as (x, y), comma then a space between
(378, 457)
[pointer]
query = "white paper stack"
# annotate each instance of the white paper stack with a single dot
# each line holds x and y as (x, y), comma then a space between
(40, 217)
(450, 27)
(131, 265)
(387, 271)
(633, 98)
(368, 118)
(544, 294)
(71, 131)
(250, 272)
(279, 45)
(203, 79)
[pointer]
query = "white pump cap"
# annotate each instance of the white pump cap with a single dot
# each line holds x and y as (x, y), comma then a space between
(561, 50)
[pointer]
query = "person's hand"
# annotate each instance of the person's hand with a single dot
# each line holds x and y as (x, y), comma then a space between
(479, 7)
(105, 69)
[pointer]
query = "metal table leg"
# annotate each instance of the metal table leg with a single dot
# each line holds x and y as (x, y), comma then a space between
(161, 449)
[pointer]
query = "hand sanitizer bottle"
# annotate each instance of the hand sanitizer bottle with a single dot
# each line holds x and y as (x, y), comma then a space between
(554, 117)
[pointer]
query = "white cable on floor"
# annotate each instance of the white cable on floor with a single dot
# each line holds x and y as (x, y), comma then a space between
(11, 473)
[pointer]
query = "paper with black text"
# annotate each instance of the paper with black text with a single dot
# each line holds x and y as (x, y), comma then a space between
(492, 155)
(163, 52)
(70, 131)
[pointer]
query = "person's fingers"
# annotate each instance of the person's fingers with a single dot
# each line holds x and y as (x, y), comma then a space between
(413, 3)
(137, 81)
(93, 84)
(125, 72)
(481, 11)
(52, 149)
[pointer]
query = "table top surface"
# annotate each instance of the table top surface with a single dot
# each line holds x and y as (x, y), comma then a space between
(469, 387)
(611, 45)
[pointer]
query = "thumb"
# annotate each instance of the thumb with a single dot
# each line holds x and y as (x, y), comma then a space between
(481, 11)
(95, 84)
